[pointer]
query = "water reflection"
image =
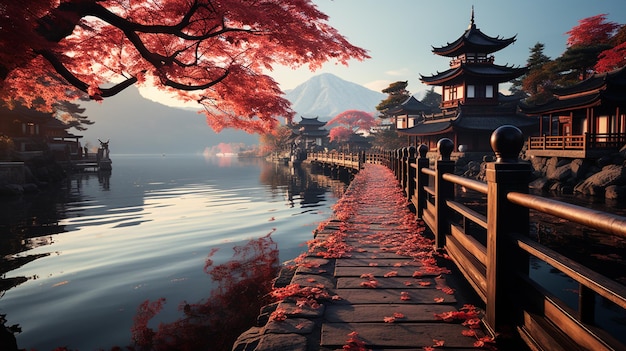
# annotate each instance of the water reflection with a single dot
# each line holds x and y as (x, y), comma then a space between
(100, 243)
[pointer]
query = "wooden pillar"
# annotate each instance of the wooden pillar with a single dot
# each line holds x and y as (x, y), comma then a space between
(421, 180)
(504, 218)
(410, 184)
(405, 170)
(398, 161)
(443, 191)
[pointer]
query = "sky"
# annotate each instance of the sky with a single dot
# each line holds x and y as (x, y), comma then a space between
(400, 34)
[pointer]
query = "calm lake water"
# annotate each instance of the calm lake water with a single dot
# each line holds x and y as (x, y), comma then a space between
(86, 255)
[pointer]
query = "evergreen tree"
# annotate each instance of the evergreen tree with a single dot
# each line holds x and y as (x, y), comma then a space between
(397, 94)
(432, 100)
(534, 83)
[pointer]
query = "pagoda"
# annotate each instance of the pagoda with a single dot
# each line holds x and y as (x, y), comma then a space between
(310, 133)
(471, 107)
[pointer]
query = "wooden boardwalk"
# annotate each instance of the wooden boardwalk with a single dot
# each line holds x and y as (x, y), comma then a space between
(377, 280)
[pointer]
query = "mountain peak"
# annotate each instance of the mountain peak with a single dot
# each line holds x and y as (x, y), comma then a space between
(326, 95)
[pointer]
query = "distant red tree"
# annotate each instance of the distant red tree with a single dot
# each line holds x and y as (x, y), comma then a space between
(355, 120)
(592, 30)
(340, 134)
(614, 57)
(214, 52)
(611, 59)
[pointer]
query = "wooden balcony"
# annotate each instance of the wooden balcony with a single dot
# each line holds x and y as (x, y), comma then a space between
(576, 146)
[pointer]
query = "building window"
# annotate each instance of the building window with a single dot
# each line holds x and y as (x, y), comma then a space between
(451, 92)
(480, 91)
(470, 91)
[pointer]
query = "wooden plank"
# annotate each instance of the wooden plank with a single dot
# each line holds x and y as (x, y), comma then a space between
(413, 296)
(581, 335)
(373, 258)
(386, 283)
(473, 246)
(396, 335)
(473, 272)
(377, 312)
(378, 271)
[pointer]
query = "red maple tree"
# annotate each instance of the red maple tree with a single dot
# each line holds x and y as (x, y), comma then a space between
(611, 59)
(215, 52)
(592, 30)
(340, 134)
(349, 122)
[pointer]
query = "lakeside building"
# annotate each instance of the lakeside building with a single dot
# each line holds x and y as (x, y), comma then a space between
(36, 133)
(471, 107)
(586, 120)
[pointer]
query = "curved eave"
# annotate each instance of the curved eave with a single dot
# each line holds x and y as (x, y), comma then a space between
(409, 106)
(311, 122)
(473, 40)
(490, 73)
(597, 81)
(428, 128)
(563, 105)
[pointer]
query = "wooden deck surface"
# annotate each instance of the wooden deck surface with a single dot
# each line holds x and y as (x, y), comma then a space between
(386, 288)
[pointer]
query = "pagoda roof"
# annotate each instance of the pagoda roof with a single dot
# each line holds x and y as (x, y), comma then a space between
(473, 40)
(600, 89)
(484, 72)
(598, 81)
(428, 128)
(311, 122)
(469, 122)
(410, 106)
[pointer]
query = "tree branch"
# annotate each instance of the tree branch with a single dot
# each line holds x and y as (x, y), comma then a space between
(186, 87)
(97, 10)
(79, 84)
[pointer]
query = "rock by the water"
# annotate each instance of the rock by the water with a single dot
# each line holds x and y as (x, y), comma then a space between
(595, 184)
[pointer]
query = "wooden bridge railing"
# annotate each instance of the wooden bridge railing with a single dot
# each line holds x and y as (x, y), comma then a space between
(346, 160)
(496, 262)
(490, 244)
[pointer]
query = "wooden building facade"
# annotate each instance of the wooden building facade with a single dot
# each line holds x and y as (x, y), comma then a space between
(586, 120)
(36, 133)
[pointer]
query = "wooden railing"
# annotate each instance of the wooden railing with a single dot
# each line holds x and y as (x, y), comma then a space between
(490, 245)
(578, 142)
(497, 266)
(338, 159)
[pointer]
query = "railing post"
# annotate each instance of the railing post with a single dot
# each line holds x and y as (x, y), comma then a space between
(443, 191)
(504, 262)
(398, 164)
(422, 180)
(410, 164)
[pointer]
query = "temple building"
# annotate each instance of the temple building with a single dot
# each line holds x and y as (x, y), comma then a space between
(586, 120)
(409, 113)
(471, 107)
(310, 133)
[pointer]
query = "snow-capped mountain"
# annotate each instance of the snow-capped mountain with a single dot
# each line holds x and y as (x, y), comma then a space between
(327, 95)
